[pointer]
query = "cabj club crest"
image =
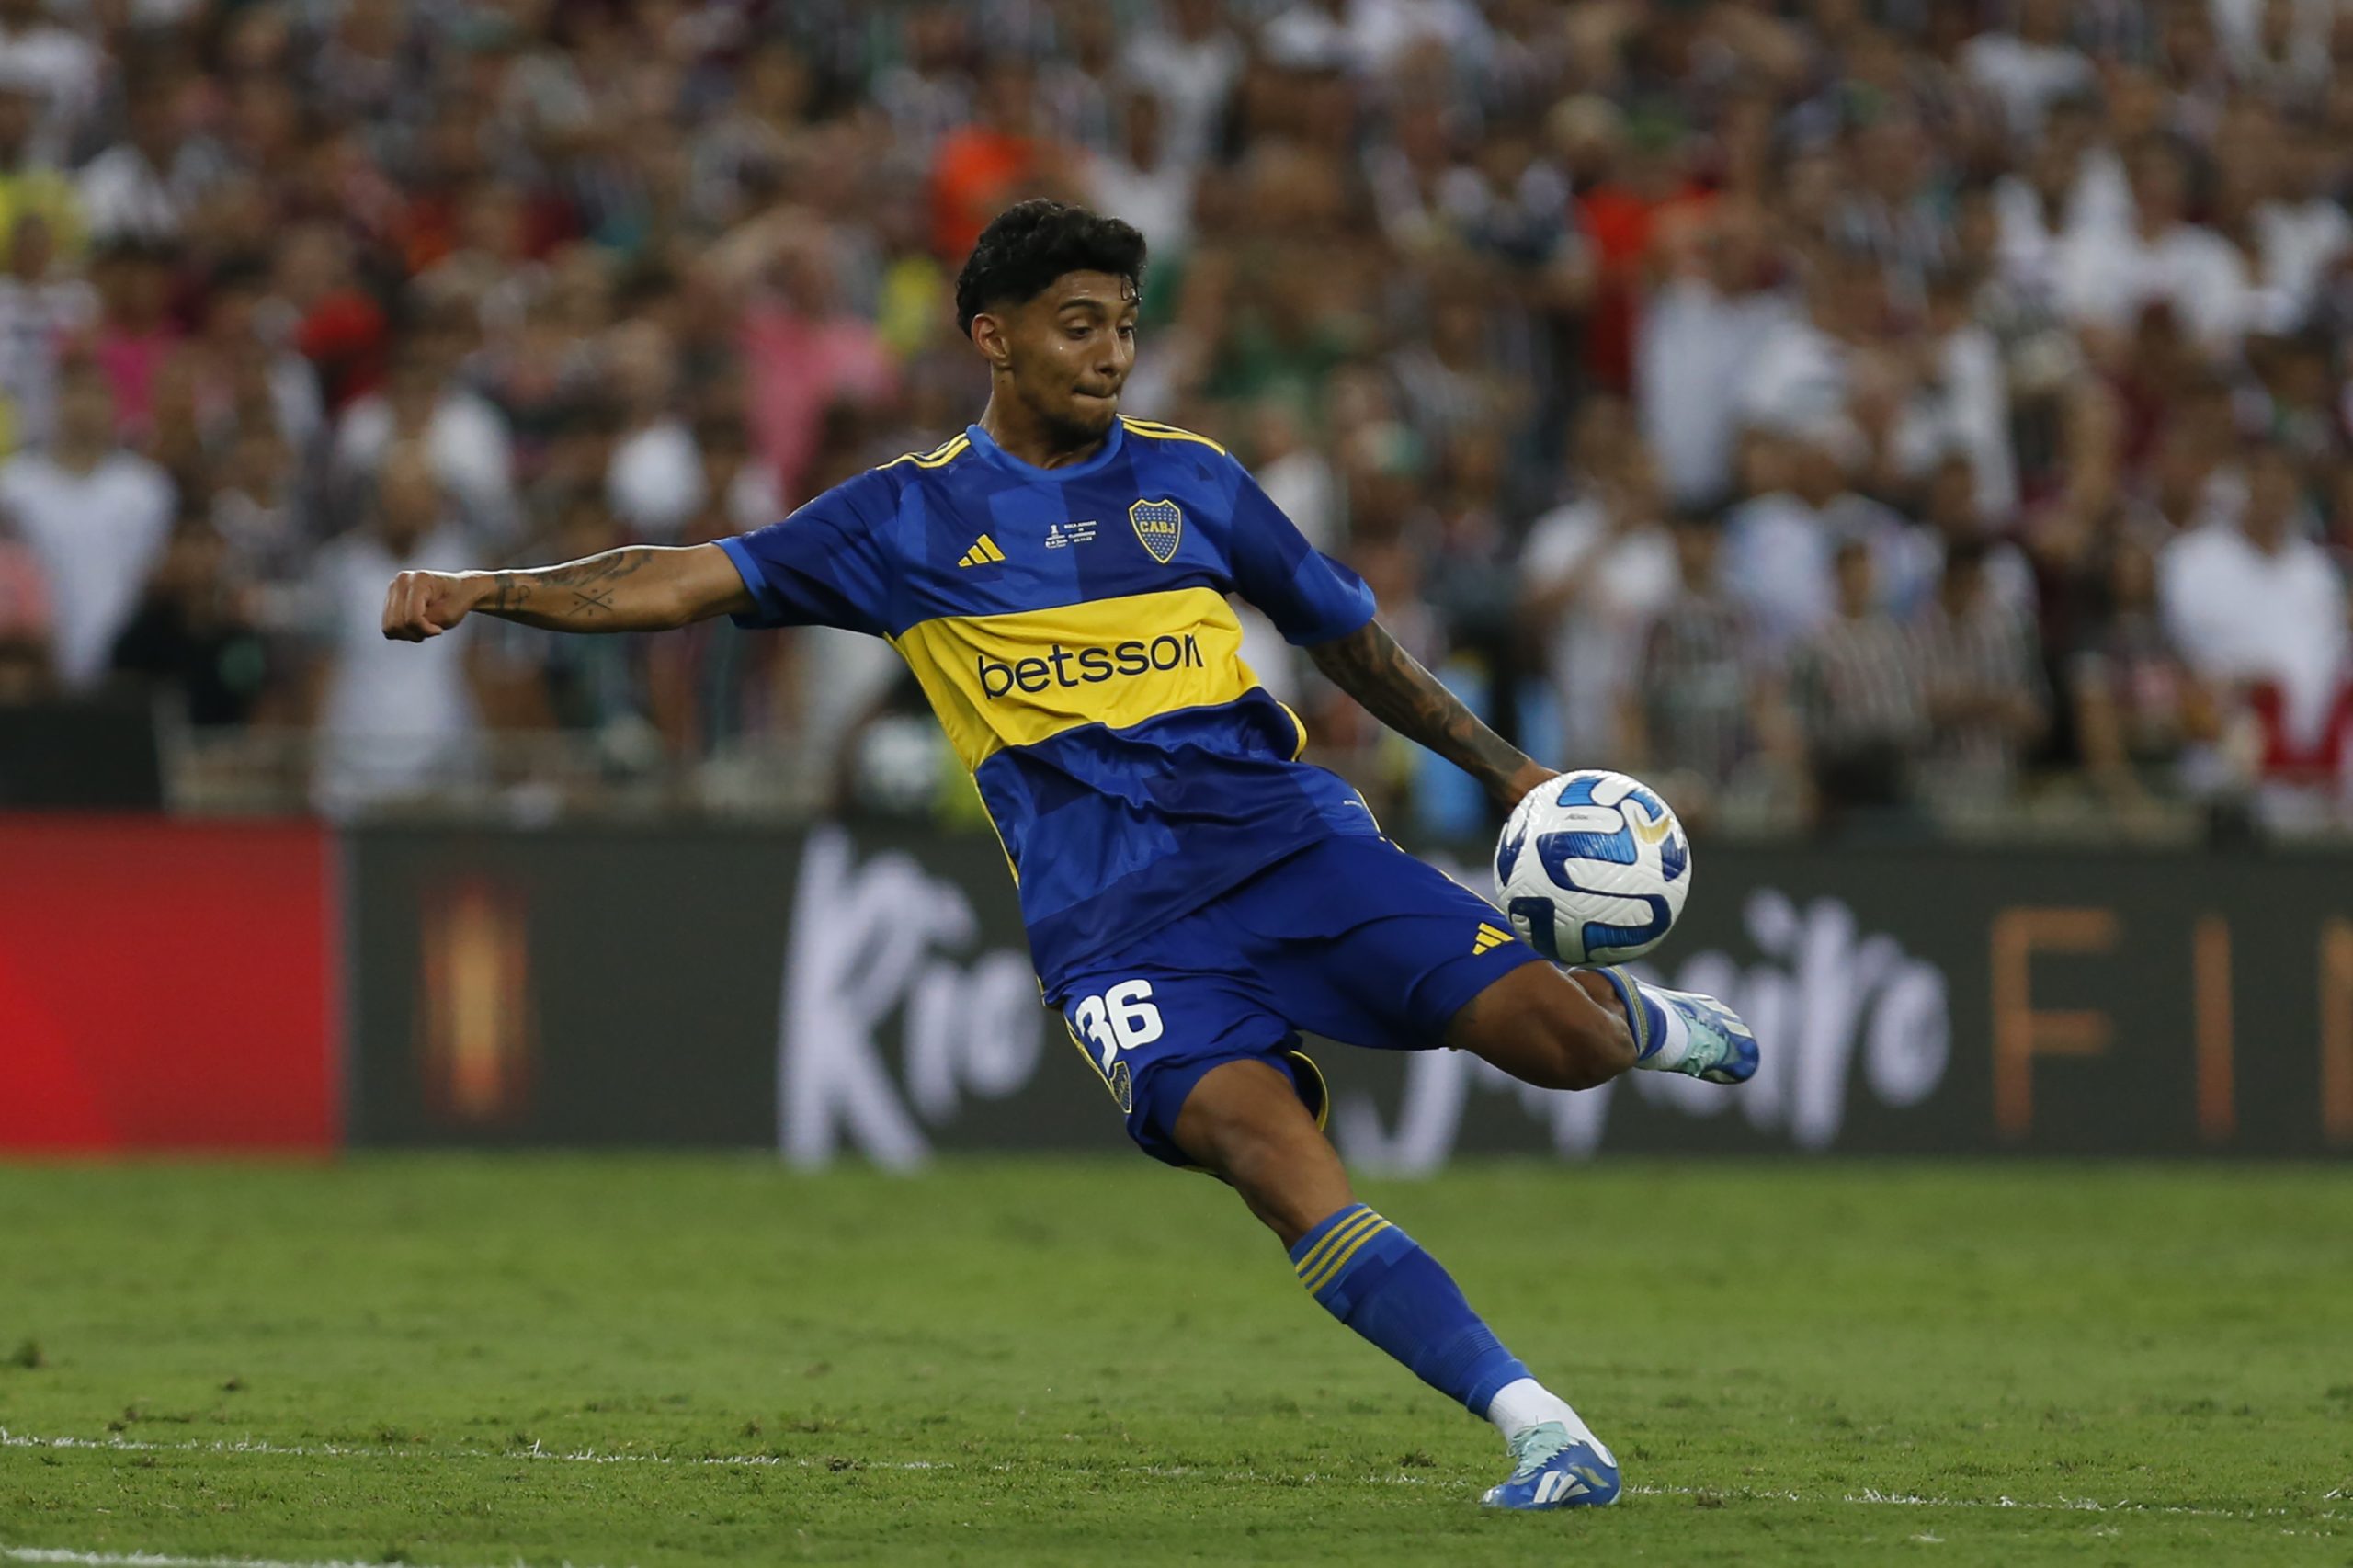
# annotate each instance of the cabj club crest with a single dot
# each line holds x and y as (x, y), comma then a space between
(1160, 524)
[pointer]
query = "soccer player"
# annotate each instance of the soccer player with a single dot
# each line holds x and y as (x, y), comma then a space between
(1195, 896)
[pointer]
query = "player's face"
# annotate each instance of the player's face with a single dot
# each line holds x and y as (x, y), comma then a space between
(1068, 352)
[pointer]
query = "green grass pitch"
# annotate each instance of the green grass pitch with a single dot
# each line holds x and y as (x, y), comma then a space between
(470, 1362)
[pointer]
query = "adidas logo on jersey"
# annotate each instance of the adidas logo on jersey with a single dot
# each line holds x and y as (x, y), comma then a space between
(984, 552)
(1487, 941)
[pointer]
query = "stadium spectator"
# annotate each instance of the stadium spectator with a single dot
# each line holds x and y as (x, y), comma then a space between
(24, 622)
(1704, 716)
(66, 70)
(426, 399)
(2255, 604)
(1855, 681)
(139, 190)
(655, 482)
(1778, 545)
(1140, 180)
(2108, 277)
(1192, 65)
(1701, 329)
(2141, 715)
(96, 515)
(2026, 271)
(1002, 156)
(193, 631)
(135, 334)
(42, 311)
(1594, 574)
(31, 186)
(802, 349)
(1981, 685)
(394, 721)
(2029, 65)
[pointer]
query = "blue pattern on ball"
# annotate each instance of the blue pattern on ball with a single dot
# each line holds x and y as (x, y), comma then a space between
(1674, 857)
(1595, 936)
(1556, 848)
(1577, 791)
(1535, 916)
(1507, 855)
(1599, 938)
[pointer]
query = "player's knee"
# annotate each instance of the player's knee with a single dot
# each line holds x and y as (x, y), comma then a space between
(1244, 1121)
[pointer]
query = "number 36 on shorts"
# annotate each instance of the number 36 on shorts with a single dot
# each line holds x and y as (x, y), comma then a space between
(1121, 1018)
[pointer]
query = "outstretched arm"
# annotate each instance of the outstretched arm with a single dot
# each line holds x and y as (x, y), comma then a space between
(1370, 667)
(642, 588)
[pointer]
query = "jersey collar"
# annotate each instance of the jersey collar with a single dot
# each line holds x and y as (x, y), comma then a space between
(996, 454)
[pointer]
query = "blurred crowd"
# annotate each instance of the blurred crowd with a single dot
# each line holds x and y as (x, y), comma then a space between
(1863, 413)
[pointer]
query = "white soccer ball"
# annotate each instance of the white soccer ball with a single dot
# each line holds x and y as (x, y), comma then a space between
(1593, 868)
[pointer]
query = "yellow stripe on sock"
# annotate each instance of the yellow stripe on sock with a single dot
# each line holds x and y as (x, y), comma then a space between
(1338, 1234)
(1331, 1270)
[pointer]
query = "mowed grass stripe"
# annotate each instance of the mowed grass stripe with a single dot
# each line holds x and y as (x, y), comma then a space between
(1869, 1497)
(1023, 1361)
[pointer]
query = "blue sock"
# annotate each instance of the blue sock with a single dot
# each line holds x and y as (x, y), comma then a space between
(1647, 1017)
(1378, 1280)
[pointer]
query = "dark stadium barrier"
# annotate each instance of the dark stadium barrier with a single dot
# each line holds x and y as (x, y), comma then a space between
(869, 994)
(166, 986)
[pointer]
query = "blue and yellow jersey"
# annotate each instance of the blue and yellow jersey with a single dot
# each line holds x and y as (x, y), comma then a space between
(1071, 630)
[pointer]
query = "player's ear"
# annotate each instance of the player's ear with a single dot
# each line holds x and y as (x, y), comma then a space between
(989, 338)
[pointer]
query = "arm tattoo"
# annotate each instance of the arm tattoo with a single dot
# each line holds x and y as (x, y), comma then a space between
(579, 596)
(1394, 689)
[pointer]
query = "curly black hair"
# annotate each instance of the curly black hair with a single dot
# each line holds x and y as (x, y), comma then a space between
(1026, 246)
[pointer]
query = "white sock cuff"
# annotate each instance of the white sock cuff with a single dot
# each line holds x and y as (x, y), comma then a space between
(1524, 1403)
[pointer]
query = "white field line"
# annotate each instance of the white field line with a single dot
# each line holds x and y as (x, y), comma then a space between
(164, 1559)
(152, 1560)
(1867, 1496)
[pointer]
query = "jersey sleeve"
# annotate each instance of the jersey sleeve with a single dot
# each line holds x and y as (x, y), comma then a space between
(1309, 597)
(825, 564)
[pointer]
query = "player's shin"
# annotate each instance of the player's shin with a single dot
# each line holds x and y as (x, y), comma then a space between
(1378, 1280)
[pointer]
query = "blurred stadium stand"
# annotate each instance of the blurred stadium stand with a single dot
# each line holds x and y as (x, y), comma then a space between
(1875, 418)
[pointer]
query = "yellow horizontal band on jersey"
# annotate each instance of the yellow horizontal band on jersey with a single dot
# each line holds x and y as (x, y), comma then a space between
(1025, 677)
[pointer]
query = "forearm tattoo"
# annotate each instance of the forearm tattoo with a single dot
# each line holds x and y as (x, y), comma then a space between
(577, 596)
(1394, 689)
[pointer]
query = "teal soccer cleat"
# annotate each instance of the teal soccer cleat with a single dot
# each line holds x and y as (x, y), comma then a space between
(1717, 1046)
(1556, 1470)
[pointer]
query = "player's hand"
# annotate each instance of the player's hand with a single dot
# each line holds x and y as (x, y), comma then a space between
(426, 604)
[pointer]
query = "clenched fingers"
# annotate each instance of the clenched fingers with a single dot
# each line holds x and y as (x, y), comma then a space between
(407, 608)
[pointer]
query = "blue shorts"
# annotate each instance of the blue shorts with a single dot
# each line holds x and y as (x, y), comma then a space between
(1351, 938)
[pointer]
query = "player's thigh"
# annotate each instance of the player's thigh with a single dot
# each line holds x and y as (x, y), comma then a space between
(1364, 943)
(1153, 1031)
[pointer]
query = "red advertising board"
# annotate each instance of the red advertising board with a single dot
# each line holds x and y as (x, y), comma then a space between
(167, 985)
